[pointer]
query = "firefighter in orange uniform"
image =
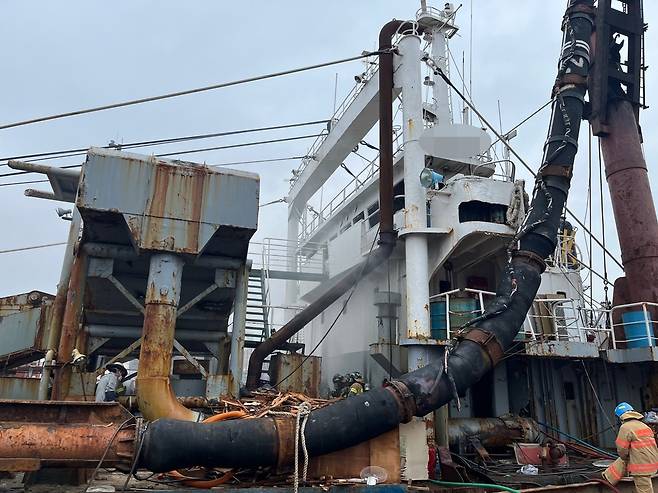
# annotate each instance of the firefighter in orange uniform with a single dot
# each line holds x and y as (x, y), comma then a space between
(636, 446)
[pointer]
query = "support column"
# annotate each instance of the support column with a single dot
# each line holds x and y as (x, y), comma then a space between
(236, 361)
(70, 326)
(59, 305)
(155, 396)
(292, 288)
(408, 77)
(632, 202)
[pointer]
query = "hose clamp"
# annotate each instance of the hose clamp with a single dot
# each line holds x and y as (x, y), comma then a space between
(556, 170)
(489, 343)
(404, 397)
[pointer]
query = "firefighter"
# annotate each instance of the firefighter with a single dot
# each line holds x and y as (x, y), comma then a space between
(108, 386)
(636, 446)
(356, 384)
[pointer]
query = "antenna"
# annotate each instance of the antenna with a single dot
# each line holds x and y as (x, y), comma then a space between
(470, 57)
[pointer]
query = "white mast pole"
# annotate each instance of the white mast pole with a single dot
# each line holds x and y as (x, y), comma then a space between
(416, 262)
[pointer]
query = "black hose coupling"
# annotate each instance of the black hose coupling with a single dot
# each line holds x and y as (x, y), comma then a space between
(530, 258)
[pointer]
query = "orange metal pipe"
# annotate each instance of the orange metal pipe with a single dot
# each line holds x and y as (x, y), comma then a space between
(73, 445)
(155, 397)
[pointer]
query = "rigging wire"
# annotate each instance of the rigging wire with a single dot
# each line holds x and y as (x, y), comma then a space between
(596, 395)
(521, 160)
(232, 146)
(192, 151)
(34, 247)
(171, 140)
(589, 207)
(605, 263)
(185, 92)
(527, 118)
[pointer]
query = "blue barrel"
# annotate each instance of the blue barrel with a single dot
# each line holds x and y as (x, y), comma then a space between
(635, 329)
(438, 319)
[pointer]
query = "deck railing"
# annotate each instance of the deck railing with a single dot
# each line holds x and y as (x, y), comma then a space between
(557, 319)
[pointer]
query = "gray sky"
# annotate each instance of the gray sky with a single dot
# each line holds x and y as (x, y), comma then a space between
(63, 56)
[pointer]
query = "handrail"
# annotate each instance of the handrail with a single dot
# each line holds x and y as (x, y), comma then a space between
(365, 77)
(566, 315)
(648, 321)
(362, 178)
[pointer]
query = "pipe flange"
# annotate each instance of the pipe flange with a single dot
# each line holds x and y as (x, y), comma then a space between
(556, 170)
(405, 399)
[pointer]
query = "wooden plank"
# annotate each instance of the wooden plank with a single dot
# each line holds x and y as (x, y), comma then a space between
(382, 451)
(385, 452)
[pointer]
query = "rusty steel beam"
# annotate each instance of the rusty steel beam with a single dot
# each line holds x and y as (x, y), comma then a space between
(70, 327)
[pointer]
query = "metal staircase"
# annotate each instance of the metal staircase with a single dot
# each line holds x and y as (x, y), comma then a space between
(257, 328)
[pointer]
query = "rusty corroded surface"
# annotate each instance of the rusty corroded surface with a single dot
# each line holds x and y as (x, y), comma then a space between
(19, 464)
(77, 444)
(178, 192)
(305, 380)
(68, 434)
(70, 327)
(166, 205)
(154, 395)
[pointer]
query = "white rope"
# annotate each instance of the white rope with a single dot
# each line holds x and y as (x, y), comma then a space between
(303, 411)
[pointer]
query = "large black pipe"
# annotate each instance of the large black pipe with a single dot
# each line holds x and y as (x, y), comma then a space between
(387, 234)
(170, 444)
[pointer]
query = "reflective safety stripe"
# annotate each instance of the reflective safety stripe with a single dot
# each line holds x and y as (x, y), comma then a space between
(622, 443)
(644, 432)
(614, 472)
(643, 443)
(652, 467)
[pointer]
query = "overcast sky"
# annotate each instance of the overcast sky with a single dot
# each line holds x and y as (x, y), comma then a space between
(59, 57)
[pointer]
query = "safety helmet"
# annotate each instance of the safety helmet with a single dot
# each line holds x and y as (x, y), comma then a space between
(622, 407)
